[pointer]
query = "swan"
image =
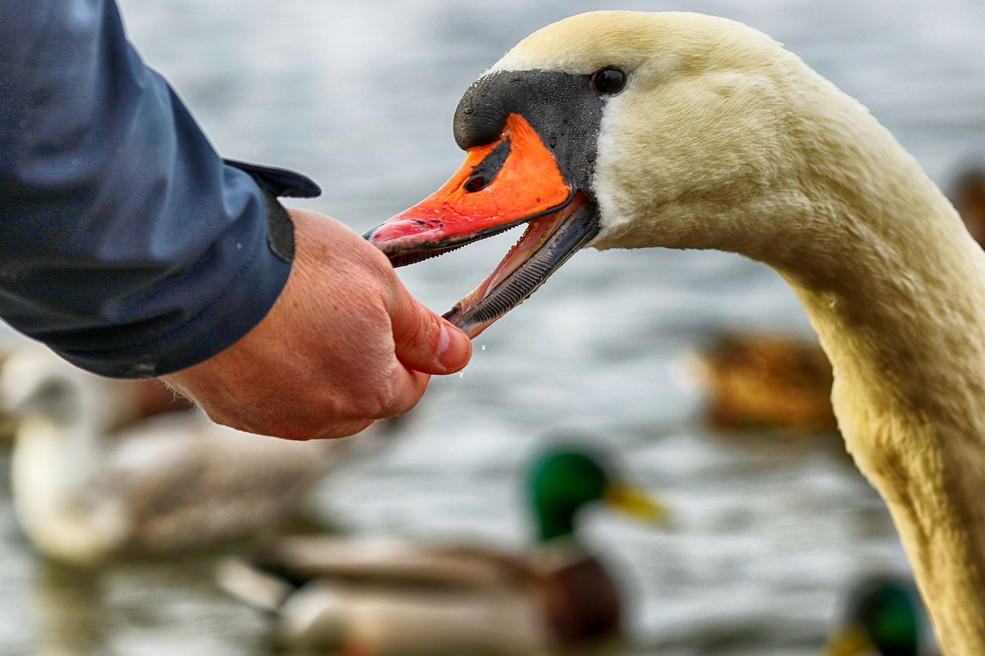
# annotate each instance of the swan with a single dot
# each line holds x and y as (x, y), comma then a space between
(633, 130)
(389, 597)
(85, 490)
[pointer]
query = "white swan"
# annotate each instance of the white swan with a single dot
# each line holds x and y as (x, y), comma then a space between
(636, 130)
(84, 492)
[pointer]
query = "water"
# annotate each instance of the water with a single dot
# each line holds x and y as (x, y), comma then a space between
(360, 96)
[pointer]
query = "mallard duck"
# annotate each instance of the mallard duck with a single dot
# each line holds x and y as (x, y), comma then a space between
(388, 598)
(883, 616)
(632, 130)
(85, 490)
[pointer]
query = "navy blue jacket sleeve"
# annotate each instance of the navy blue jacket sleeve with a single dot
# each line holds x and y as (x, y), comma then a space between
(126, 244)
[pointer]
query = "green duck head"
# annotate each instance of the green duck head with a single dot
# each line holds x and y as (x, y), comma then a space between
(565, 479)
(884, 616)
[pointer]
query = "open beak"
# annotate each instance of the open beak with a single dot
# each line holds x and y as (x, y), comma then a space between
(513, 180)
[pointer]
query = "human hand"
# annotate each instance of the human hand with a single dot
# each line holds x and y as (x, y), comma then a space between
(344, 344)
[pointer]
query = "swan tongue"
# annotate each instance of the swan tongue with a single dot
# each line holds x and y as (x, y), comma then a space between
(547, 244)
(512, 180)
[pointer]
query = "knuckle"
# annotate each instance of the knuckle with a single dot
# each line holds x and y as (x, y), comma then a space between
(409, 332)
(387, 398)
(372, 405)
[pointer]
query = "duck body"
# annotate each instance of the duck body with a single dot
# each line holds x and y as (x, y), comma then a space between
(85, 491)
(398, 598)
(704, 133)
(169, 484)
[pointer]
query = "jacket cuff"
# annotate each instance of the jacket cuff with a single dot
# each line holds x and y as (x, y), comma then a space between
(264, 255)
(276, 182)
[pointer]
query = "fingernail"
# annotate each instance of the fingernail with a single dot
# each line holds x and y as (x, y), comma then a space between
(454, 348)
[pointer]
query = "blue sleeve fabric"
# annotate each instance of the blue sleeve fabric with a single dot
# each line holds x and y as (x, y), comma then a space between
(126, 244)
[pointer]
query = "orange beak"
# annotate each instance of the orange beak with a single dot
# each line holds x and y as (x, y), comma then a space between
(512, 180)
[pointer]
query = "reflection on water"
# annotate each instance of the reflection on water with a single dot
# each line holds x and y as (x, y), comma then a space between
(129, 608)
(767, 532)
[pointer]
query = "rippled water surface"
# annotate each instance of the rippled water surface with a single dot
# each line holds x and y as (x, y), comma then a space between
(360, 96)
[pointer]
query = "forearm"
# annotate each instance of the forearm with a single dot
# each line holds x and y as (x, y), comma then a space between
(127, 245)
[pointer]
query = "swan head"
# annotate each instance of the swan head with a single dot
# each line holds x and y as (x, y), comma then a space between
(610, 129)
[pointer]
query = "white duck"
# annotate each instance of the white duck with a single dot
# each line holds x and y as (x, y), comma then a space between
(621, 129)
(84, 492)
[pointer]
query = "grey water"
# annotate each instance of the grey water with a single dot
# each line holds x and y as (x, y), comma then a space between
(767, 531)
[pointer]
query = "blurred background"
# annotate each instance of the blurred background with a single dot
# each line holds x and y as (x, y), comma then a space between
(769, 528)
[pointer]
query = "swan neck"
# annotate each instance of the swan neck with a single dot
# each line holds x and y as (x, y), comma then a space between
(901, 315)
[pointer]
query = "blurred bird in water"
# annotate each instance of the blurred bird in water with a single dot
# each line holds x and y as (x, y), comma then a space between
(90, 481)
(767, 381)
(135, 400)
(968, 196)
(392, 598)
(884, 617)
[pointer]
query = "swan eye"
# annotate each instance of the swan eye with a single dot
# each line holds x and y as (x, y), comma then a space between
(608, 81)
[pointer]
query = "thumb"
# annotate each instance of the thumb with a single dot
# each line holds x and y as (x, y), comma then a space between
(424, 341)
